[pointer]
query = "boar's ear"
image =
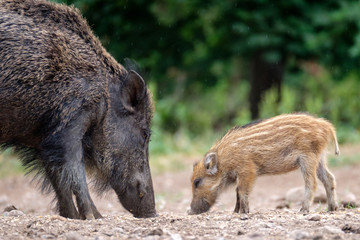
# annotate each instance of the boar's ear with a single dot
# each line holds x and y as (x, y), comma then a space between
(132, 91)
(210, 163)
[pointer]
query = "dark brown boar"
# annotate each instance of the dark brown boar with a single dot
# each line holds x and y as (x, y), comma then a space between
(273, 146)
(69, 108)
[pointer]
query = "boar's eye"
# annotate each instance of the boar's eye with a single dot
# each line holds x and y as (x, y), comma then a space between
(146, 133)
(197, 182)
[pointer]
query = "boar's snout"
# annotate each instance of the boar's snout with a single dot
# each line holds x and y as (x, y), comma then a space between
(138, 197)
(199, 206)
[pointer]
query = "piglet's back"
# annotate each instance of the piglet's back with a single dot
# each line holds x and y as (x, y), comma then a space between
(277, 137)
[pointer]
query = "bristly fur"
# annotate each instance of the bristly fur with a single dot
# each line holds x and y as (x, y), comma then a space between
(272, 146)
(60, 15)
(67, 106)
(246, 125)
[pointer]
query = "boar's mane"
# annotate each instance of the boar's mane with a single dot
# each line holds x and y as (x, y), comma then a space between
(61, 17)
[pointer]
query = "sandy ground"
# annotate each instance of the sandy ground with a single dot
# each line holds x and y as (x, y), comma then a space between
(272, 215)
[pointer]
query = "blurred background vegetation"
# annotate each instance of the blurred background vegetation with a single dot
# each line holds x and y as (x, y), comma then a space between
(214, 64)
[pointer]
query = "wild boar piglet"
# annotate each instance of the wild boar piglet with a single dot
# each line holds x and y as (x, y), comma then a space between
(273, 146)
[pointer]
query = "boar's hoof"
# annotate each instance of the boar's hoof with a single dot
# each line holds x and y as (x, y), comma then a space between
(72, 214)
(93, 216)
(148, 215)
(97, 215)
(89, 216)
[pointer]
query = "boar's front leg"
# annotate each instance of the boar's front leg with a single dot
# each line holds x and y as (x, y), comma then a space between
(65, 204)
(63, 157)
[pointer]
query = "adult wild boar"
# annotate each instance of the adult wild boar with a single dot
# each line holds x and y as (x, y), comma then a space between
(69, 108)
(272, 146)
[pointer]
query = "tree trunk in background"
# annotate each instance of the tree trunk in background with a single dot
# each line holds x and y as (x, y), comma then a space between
(264, 75)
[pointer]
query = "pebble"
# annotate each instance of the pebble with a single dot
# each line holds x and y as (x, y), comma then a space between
(118, 230)
(244, 217)
(262, 225)
(175, 237)
(283, 205)
(57, 217)
(9, 208)
(331, 229)
(348, 228)
(299, 234)
(240, 232)
(14, 213)
(255, 236)
(99, 238)
(318, 237)
(314, 217)
(47, 236)
(73, 236)
(157, 231)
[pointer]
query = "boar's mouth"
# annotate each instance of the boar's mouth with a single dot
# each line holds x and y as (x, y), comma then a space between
(199, 206)
(139, 207)
(145, 214)
(142, 210)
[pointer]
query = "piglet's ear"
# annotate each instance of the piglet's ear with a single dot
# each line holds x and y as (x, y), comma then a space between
(132, 91)
(194, 164)
(210, 163)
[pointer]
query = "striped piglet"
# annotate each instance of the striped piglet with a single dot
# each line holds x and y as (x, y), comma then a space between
(273, 146)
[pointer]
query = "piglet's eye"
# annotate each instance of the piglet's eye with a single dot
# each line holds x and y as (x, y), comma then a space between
(197, 182)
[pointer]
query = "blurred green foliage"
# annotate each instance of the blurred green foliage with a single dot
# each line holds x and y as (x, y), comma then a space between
(197, 59)
(197, 56)
(9, 164)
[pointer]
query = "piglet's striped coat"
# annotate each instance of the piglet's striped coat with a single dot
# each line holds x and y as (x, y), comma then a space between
(273, 146)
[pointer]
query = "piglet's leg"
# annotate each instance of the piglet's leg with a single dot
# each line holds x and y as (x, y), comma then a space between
(329, 183)
(245, 184)
(308, 170)
(237, 206)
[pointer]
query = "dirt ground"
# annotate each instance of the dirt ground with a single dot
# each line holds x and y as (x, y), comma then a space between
(274, 205)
